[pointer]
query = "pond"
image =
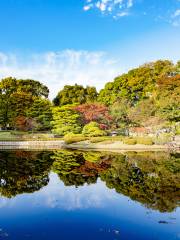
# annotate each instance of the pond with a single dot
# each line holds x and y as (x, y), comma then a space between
(89, 195)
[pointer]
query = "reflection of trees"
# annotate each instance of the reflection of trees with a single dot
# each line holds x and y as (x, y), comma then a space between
(23, 171)
(150, 178)
(73, 168)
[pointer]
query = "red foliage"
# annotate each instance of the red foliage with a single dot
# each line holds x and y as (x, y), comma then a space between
(169, 83)
(94, 112)
(23, 123)
(93, 169)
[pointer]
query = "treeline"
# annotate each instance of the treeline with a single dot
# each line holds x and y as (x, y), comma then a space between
(145, 96)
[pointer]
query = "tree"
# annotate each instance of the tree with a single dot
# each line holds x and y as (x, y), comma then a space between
(94, 112)
(168, 98)
(76, 94)
(66, 120)
(119, 112)
(137, 84)
(142, 112)
(17, 96)
(41, 112)
(36, 88)
(7, 88)
(23, 123)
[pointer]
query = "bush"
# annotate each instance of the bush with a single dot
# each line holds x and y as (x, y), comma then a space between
(73, 138)
(92, 130)
(163, 138)
(144, 141)
(129, 141)
(177, 131)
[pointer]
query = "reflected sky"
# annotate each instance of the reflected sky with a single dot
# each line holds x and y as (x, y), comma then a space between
(87, 212)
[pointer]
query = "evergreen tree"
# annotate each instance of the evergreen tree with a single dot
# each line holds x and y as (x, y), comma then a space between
(66, 120)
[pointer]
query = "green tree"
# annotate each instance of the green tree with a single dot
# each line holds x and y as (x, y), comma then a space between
(7, 88)
(119, 112)
(75, 94)
(41, 112)
(137, 84)
(65, 120)
(168, 98)
(17, 96)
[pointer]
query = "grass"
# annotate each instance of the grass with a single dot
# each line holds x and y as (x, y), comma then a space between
(129, 141)
(144, 141)
(107, 139)
(25, 136)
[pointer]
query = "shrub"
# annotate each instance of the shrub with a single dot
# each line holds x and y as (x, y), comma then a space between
(92, 130)
(177, 131)
(163, 138)
(144, 141)
(73, 138)
(129, 141)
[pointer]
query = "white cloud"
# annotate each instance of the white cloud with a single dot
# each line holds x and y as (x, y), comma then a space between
(87, 7)
(56, 69)
(175, 18)
(115, 7)
(71, 198)
(169, 13)
(177, 13)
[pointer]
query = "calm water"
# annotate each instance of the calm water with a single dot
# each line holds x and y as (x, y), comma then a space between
(87, 195)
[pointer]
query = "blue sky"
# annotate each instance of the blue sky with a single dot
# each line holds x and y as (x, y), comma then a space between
(86, 41)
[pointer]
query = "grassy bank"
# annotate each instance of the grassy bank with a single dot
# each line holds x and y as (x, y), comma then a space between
(26, 136)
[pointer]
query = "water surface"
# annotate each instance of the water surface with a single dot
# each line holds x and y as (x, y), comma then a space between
(89, 195)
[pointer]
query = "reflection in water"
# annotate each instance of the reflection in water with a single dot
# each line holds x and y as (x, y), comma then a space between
(97, 195)
(150, 178)
(23, 172)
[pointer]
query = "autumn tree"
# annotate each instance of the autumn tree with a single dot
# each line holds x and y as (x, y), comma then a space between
(95, 112)
(23, 123)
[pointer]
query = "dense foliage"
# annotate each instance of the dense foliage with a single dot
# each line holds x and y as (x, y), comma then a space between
(23, 172)
(95, 112)
(137, 84)
(24, 101)
(75, 94)
(147, 96)
(66, 120)
(92, 129)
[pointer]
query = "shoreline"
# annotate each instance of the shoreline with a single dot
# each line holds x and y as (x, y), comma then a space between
(115, 146)
(118, 146)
